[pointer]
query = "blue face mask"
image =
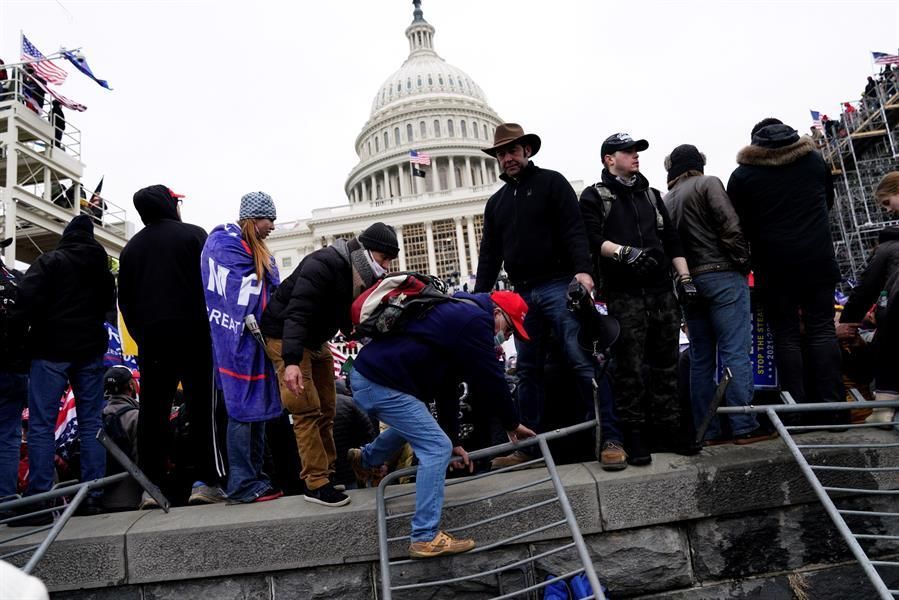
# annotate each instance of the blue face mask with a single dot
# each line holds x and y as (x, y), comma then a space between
(499, 339)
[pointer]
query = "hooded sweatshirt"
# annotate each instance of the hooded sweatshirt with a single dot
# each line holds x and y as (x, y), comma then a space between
(65, 295)
(880, 275)
(159, 271)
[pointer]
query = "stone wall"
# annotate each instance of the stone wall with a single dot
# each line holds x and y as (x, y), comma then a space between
(731, 523)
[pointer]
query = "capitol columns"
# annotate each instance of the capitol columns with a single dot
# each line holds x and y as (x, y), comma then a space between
(460, 246)
(472, 244)
(402, 179)
(432, 257)
(399, 242)
(451, 174)
(386, 187)
(466, 175)
(484, 171)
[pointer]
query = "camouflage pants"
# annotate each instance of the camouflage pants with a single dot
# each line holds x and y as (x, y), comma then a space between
(646, 358)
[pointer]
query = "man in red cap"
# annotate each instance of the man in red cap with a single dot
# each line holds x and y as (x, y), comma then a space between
(394, 376)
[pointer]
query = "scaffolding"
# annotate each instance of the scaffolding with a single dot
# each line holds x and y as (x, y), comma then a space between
(860, 150)
(40, 177)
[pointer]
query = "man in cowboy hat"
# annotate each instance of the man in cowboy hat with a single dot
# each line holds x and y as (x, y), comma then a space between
(532, 225)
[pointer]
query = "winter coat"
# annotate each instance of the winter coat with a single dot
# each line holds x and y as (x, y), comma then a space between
(708, 225)
(64, 298)
(13, 330)
(532, 224)
(453, 340)
(633, 220)
(881, 274)
(311, 305)
(126, 494)
(159, 272)
(782, 196)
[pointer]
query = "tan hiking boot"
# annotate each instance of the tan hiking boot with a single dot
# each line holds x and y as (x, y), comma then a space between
(442, 545)
(883, 416)
(510, 460)
(370, 476)
(613, 457)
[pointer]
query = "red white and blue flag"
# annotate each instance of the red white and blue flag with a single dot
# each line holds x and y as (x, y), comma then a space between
(43, 67)
(882, 58)
(419, 158)
(816, 119)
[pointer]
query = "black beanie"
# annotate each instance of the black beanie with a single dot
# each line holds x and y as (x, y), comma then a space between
(764, 123)
(775, 136)
(685, 157)
(380, 238)
(80, 223)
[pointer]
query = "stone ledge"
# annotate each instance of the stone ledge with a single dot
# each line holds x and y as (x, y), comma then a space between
(289, 533)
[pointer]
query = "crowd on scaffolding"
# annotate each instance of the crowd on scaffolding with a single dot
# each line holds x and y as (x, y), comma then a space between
(877, 90)
(234, 396)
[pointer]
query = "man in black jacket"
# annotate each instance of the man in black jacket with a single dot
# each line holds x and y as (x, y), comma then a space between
(64, 298)
(782, 191)
(162, 301)
(635, 246)
(533, 227)
(305, 312)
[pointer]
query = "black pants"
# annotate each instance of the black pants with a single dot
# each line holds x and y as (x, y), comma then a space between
(169, 354)
(806, 349)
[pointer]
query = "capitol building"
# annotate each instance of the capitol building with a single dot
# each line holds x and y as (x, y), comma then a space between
(430, 106)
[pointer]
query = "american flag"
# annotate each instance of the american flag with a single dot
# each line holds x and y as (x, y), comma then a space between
(882, 58)
(816, 119)
(44, 67)
(419, 158)
(62, 99)
(339, 358)
(66, 426)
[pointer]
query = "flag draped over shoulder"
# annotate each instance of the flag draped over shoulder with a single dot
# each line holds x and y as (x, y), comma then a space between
(248, 380)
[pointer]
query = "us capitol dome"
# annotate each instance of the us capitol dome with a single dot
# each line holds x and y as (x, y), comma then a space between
(430, 107)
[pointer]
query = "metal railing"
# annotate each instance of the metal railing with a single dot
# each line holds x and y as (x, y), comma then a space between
(509, 518)
(78, 493)
(830, 494)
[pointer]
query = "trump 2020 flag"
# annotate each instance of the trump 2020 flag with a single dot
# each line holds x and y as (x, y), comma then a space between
(79, 62)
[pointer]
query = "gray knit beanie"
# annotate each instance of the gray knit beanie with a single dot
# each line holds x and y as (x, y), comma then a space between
(257, 205)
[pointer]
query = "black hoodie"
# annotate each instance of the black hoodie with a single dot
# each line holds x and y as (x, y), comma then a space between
(159, 271)
(65, 295)
(881, 275)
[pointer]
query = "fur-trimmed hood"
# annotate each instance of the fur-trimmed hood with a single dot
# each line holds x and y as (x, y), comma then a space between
(775, 157)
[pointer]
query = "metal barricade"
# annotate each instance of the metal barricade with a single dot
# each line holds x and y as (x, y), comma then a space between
(511, 518)
(812, 457)
(78, 492)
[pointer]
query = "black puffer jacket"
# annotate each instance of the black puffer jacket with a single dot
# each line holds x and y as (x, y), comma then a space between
(532, 225)
(708, 225)
(633, 220)
(159, 272)
(881, 275)
(65, 295)
(782, 195)
(310, 306)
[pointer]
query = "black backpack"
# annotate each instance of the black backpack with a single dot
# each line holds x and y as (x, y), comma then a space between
(112, 425)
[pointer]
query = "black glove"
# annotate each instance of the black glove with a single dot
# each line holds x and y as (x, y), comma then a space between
(641, 261)
(576, 294)
(686, 290)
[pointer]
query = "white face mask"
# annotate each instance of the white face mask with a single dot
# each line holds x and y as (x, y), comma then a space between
(376, 269)
(499, 339)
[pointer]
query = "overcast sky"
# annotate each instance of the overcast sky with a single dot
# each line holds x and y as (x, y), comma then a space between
(218, 98)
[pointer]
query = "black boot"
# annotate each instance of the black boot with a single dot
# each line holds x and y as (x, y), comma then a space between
(637, 452)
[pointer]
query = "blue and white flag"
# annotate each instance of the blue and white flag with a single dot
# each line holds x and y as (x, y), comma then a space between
(79, 62)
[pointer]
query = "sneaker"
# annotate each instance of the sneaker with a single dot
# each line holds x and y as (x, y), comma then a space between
(367, 476)
(442, 544)
(638, 454)
(269, 493)
(759, 434)
(201, 493)
(613, 457)
(510, 460)
(147, 502)
(326, 495)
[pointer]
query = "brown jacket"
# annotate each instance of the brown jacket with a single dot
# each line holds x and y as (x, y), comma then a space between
(708, 224)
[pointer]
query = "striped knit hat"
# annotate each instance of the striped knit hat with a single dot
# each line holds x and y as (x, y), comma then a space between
(257, 205)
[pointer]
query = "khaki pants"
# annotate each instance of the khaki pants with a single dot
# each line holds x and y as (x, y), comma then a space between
(312, 411)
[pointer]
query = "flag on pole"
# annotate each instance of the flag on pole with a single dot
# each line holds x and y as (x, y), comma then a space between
(77, 59)
(419, 158)
(816, 119)
(62, 99)
(882, 58)
(416, 172)
(43, 67)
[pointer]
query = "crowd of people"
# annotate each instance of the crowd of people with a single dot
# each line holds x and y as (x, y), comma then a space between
(877, 90)
(244, 356)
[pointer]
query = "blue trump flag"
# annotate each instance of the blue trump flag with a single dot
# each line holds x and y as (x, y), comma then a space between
(80, 63)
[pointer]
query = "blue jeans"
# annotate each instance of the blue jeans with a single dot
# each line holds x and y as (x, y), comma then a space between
(547, 310)
(45, 388)
(721, 322)
(410, 421)
(246, 445)
(13, 398)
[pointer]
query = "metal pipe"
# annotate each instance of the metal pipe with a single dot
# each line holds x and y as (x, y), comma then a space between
(807, 407)
(517, 488)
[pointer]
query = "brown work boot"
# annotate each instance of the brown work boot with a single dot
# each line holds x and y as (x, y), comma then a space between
(363, 475)
(612, 457)
(759, 434)
(510, 460)
(442, 544)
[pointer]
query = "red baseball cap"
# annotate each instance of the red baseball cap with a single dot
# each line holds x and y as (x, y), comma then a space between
(175, 195)
(515, 308)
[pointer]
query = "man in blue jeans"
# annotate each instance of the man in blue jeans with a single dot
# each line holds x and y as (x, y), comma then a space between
(533, 227)
(64, 297)
(718, 257)
(394, 376)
